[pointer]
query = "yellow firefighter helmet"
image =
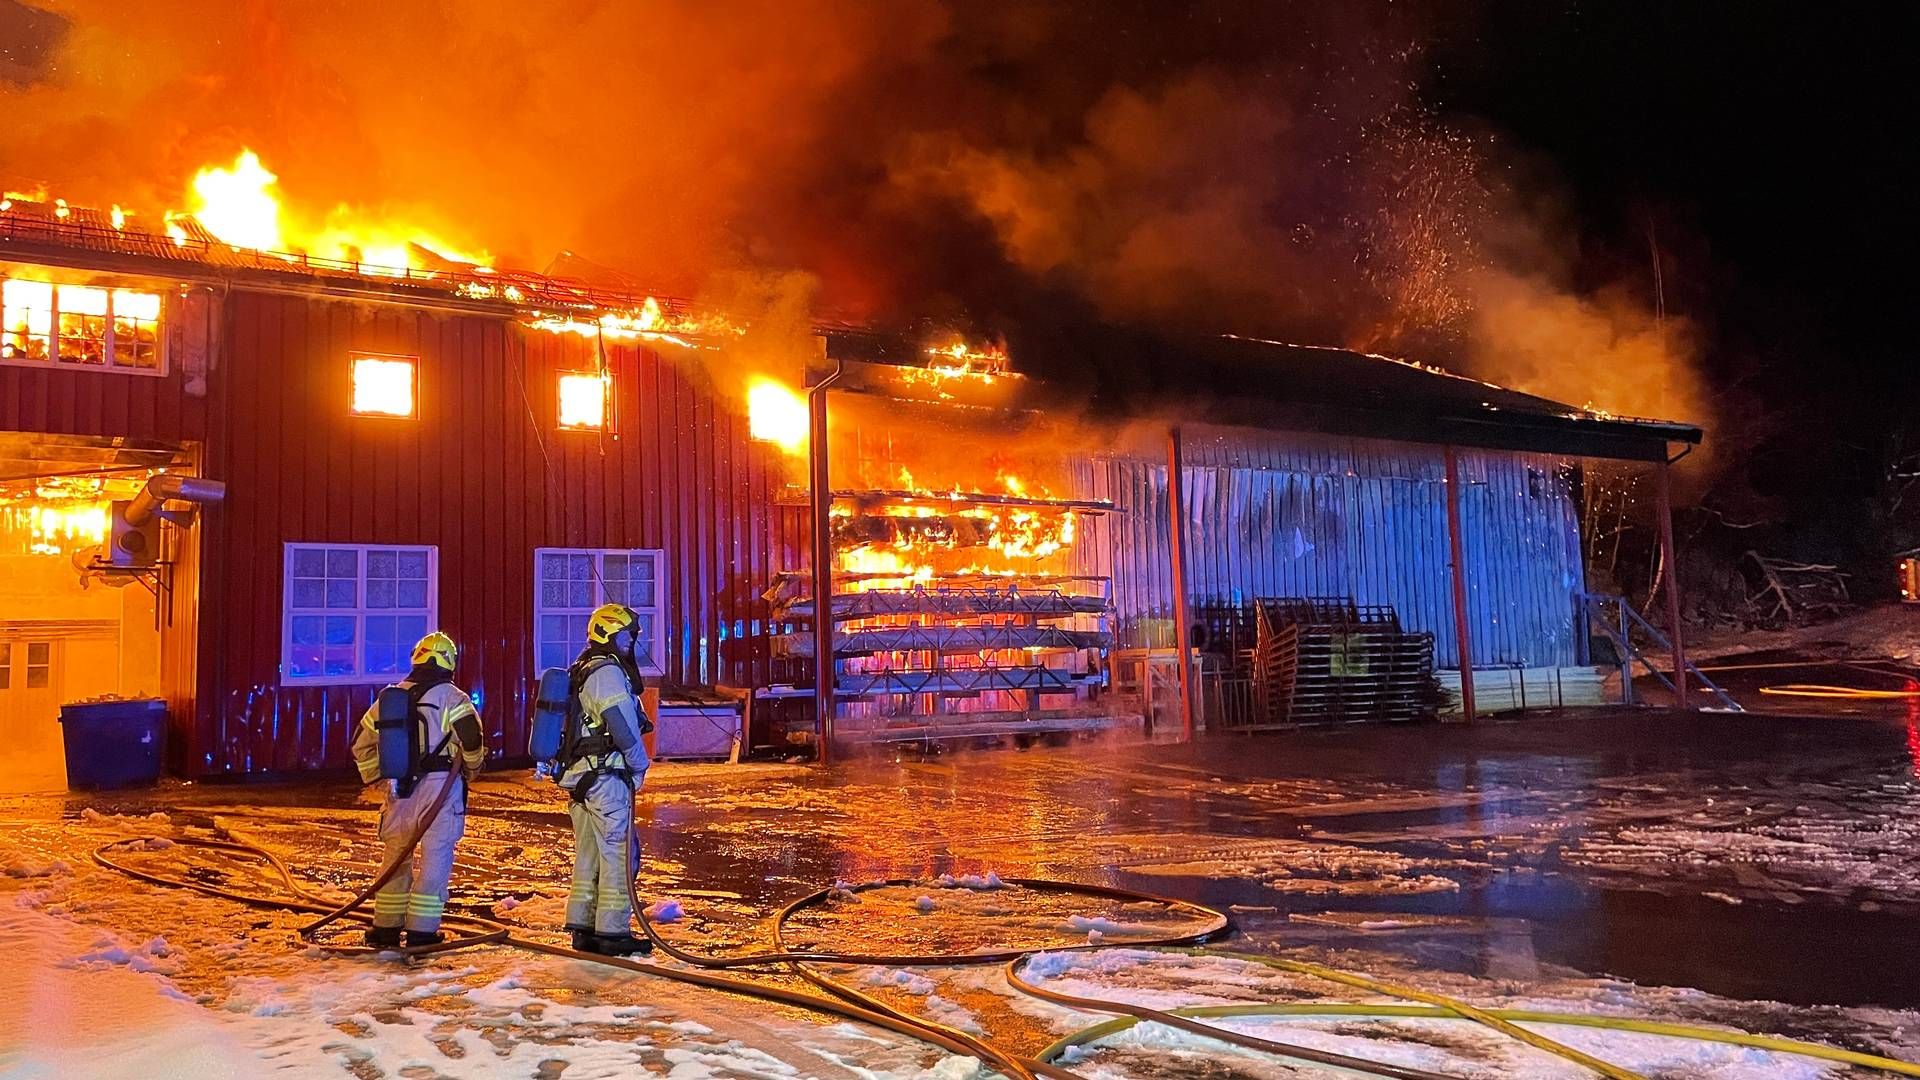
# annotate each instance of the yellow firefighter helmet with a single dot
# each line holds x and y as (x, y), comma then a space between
(437, 647)
(608, 620)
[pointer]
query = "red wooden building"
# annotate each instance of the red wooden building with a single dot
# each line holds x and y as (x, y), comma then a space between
(494, 454)
(490, 507)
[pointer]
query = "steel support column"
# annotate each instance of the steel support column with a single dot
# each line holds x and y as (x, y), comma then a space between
(1664, 487)
(1457, 550)
(820, 501)
(1177, 548)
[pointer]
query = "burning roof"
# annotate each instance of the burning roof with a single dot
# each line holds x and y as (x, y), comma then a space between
(52, 232)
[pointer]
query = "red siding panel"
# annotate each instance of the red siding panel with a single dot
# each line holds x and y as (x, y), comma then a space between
(468, 475)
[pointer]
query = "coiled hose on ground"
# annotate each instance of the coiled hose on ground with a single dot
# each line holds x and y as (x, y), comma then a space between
(845, 1001)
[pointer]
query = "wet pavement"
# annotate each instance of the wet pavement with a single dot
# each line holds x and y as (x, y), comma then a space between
(1757, 857)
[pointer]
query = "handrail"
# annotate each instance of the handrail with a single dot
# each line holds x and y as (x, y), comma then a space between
(1622, 638)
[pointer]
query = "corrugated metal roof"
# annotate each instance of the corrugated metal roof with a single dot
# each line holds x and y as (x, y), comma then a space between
(32, 231)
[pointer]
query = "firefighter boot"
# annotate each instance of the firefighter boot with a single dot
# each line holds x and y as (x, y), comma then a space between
(383, 937)
(582, 940)
(621, 945)
(420, 938)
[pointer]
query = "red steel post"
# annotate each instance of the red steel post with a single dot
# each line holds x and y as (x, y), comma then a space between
(1177, 548)
(1459, 584)
(1665, 513)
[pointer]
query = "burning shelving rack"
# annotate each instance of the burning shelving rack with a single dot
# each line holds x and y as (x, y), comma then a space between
(919, 652)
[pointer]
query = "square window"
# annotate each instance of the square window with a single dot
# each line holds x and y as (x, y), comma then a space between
(39, 652)
(309, 593)
(383, 385)
(553, 593)
(583, 399)
(379, 593)
(354, 615)
(616, 591)
(580, 568)
(580, 594)
(413, 594)
(614, 568)
(553, 628)
(379, 657)
(553, 567)
(308, 629)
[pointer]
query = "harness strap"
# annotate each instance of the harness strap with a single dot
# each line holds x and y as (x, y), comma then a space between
(584, 786)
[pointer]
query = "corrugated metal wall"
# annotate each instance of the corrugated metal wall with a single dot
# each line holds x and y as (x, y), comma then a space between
(1308, 515)
(481, 472)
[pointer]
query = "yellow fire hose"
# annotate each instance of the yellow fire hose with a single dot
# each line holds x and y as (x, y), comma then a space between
(1771, 1043)
(856, 1005)
(1818, 690)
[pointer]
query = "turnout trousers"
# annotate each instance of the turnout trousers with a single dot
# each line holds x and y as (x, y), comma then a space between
(602, 868)
(416, 896)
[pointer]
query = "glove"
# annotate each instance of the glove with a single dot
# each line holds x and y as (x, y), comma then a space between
(376, 792)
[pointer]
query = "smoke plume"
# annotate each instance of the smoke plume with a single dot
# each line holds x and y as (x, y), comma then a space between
(1218, 166)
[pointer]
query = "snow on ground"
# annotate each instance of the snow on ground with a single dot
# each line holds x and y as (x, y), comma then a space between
(1456, 1047)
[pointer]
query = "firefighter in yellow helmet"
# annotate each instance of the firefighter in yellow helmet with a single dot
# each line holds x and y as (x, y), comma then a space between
(448, 749)
(606, 763)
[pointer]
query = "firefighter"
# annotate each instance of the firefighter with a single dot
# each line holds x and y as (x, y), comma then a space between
(601, 770)
(450, 749)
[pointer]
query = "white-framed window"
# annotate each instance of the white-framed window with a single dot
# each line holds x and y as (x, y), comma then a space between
(568, 583)
(85, 327)
(352, 612)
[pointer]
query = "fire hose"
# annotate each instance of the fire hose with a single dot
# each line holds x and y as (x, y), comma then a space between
(856, 1005)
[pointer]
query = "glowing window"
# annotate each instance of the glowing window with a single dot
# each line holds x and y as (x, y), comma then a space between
(382, 385)
(583, 400)
(81, 326)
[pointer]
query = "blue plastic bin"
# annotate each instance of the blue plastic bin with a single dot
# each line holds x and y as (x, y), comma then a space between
(114, 744)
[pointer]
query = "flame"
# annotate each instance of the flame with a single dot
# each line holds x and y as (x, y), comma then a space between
(175, 230)
(649, 322)
(777, 415)
(908, 538)
(241, 206)
(119, 217)
(238, 204)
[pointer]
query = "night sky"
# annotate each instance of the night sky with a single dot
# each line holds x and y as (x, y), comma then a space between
(1771, 147)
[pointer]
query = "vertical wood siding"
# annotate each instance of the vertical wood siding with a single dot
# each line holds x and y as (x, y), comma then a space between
(482, 473)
